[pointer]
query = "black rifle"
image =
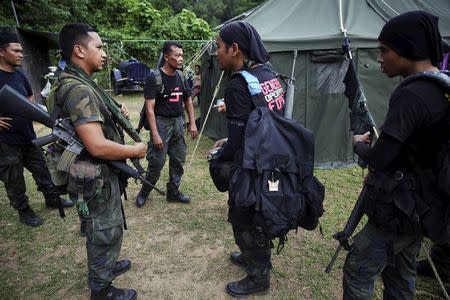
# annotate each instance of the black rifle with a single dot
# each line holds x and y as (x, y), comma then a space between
(344, 237)
(15, 104)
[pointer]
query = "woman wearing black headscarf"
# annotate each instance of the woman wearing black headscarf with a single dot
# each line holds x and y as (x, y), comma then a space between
(410, 139)
(239, 47)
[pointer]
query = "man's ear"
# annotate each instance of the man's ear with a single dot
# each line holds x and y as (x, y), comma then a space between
(78, 51)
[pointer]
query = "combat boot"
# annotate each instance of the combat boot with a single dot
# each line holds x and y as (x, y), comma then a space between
(248, 286)
(112, 293)
(52, 202)
(177, 196)
(141, 197)
(121, 267)
(28, 217)
(238, 259)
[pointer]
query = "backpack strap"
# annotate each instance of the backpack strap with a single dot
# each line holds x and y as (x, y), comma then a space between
(158, 81)
(60, 101)
(254, 88)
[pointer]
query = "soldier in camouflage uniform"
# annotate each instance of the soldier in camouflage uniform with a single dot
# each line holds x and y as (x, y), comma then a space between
(101, 210)
(16, 150)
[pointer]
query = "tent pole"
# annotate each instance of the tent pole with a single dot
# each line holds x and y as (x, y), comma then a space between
(206, 118)
(15, 14)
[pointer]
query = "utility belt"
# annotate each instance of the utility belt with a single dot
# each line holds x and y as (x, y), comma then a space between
(391, 199)
(167, 117)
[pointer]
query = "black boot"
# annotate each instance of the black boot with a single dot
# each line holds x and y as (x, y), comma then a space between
(177, 196)
(121, 267)
(248, 286)
(28, 217)
(238, 259)
(53, 202)
(112, 293)
(141, 198)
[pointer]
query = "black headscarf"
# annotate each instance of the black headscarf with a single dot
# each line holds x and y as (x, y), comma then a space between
(414, 35)
(248, 39)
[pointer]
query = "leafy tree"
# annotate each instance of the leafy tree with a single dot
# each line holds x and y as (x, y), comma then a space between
(49, 15)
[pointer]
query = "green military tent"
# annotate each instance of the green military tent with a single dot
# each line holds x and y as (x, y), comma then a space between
(313, 27)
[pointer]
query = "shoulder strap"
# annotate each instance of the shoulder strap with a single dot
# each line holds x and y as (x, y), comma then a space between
(253, 86)
(158, 81)
(60, 101)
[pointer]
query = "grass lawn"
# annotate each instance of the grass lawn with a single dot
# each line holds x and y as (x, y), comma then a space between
(178, 251)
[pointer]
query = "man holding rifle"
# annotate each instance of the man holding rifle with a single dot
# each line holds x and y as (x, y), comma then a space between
(78, 98)
(16, 149)
(411, 136)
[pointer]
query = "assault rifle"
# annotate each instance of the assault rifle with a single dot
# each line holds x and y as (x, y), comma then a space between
(63, 134)
(344, 237)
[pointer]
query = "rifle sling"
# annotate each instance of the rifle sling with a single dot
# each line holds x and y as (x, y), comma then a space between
(60, 102)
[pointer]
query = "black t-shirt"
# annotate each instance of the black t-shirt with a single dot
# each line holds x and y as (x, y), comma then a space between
(239, 105)
(21, 131)
(237, 97)
(416, 119)
(170, 103)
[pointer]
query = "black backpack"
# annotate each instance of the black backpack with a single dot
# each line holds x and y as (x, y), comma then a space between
(435, 221)
(160, 89)
(277, 173)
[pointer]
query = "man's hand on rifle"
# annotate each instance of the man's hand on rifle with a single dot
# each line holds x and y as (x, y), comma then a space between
(365, 138)
(4, 124)
(124, 110)
(141, 150)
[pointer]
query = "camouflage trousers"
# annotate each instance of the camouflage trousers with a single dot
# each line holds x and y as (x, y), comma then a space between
(13, 160)
(171, 131)
(369, 258)
(256, 249)
(103, 249)
(440, 254)
(103, 227)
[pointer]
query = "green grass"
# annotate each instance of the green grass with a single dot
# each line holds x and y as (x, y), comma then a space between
(178, 251)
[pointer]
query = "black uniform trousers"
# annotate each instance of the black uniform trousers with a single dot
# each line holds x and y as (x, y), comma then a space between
(13, 159)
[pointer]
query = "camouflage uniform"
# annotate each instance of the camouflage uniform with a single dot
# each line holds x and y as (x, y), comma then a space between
(104, 221)
(171, 131)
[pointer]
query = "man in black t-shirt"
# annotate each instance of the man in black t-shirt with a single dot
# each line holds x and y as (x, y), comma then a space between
(164, 110)
(16, 134)
(239, 47)
(412, 134)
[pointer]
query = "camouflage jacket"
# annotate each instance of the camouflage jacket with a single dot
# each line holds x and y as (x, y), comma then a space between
(82, 106)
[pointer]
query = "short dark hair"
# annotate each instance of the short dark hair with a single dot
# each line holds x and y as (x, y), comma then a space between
(72, 34)
(167, 47)
(7, 38)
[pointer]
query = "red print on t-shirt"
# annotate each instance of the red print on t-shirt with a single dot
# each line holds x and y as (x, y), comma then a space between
(175, 95)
